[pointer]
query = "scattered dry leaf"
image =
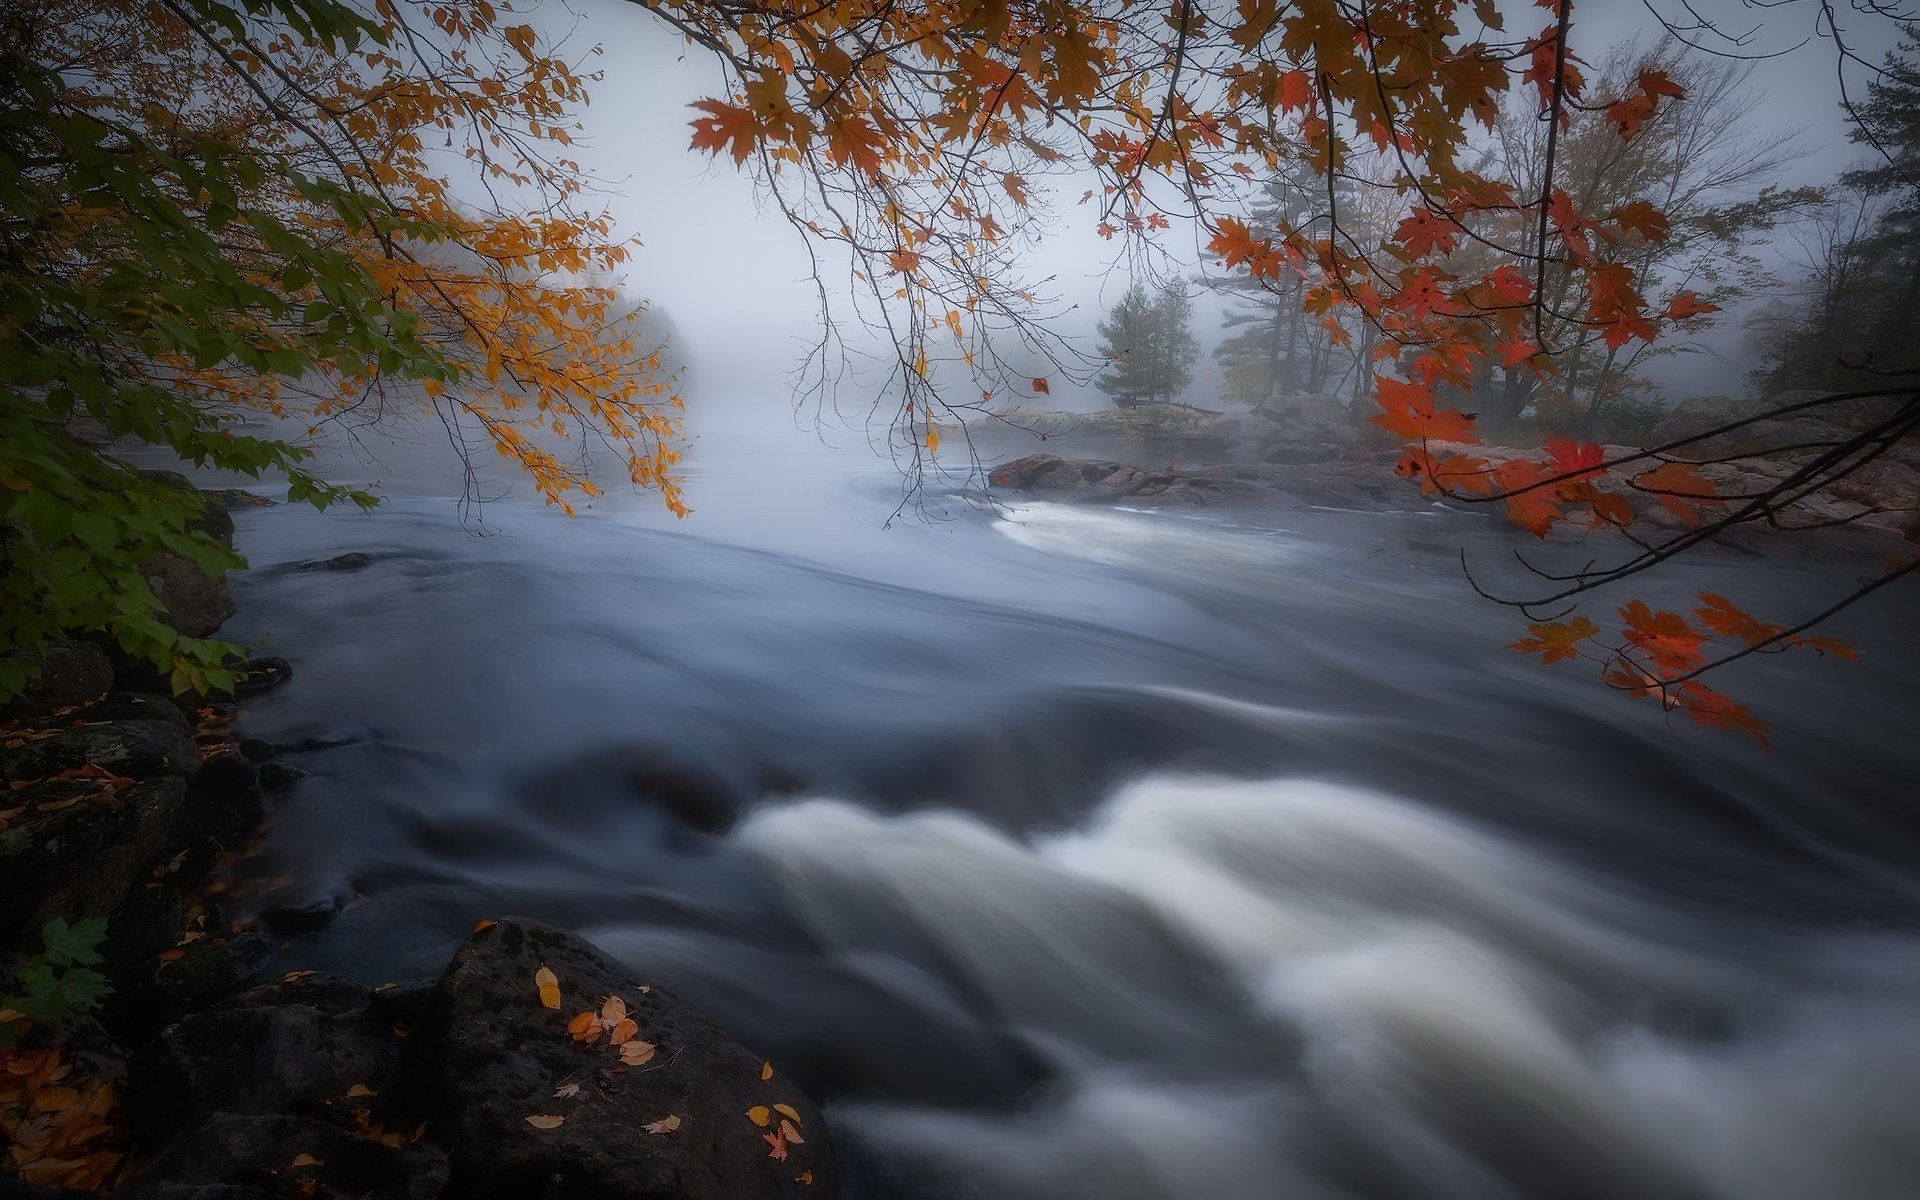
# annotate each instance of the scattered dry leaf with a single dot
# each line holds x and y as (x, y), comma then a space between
(307, 1160)
(585, 1028)
(779, 1144)
(760, 1115)
(788, 1111)
(566, 1091)
(484, 925)
(636, 1054)
(360, 1089)
(788, 1132)
(804, 1177)
(766, 1070)
(623, 1031)
(663, 1125)
(549, 985)
(545, 1121)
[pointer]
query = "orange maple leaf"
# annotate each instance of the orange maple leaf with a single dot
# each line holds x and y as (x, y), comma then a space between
(1556, 640)
(727, 128)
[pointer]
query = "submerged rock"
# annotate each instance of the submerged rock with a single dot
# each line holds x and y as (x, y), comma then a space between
(679, 1126)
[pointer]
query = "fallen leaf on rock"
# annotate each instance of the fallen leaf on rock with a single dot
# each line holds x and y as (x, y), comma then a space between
(307, 1160)
(484, 925)
(788, 1111)
(779, 1144)
(549, 985)
(760, 1115)
(295, 976)
(804, 1177)
(635, 1054)
(584, 1028)
(360, 1089)
(766, 1070)
(623, 1031)
(788, 1132)
(544, 1121)
(663, 1125)
(613, 1011)
(566, 1091)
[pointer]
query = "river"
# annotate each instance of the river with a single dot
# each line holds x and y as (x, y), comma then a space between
(1079, 852)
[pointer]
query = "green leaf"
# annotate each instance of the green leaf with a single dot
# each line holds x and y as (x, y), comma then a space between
(67, 945)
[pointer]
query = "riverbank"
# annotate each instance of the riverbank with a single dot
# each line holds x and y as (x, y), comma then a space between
(149, 1049)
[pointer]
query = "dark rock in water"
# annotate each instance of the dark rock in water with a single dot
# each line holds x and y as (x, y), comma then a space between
(278, 777)
(195, 603)
(309, 917)
(83, 859)
(69, 673)
(505, 1055)
(262, 673)
(224, 801)
(353, 561)
(136, 749)
(234, 1156)
(268, 1051)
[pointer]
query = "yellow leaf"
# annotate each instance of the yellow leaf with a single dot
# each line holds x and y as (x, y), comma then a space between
(622, 1032)
(635, 1054)
(663, 1125)
(933, 439)
(360, 1089)
(787, 1111)
(792, 1134)
(614, 1010)
(549, 987)
(544, 1121)
(307, 1160)
(766, 1070)
(760, 1114)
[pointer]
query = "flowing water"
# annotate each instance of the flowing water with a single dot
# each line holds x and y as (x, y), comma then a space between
(1127, 855)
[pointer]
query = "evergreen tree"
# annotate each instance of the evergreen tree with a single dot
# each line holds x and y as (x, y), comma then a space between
(1151, 344)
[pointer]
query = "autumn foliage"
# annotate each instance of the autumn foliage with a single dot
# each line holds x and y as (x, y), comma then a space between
(919, 137)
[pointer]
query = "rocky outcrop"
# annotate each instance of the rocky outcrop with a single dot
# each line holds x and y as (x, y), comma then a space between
(696, 1117)
(1784, 435)
(1057, 478)
(195, 603)
(471, 1086)
(66, 673)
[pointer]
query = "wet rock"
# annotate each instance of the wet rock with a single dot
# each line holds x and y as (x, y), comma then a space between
(136, 749)
(208, 971)
(262, 673)
(69, 673)
(84, 858)
(353, 561)
(277, 777)
(231, 1155)
(504, 1056)
(134, 706)
(195, 603)
(266, 1052)
(232, 498)
(224, 801)
(310, 916)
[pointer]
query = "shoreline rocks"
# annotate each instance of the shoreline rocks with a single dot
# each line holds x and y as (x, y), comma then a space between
(311, 1086)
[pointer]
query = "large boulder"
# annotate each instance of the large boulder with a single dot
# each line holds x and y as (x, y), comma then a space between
(137, 749)
(252, 1156)
(291, 1047)
(195, 603)
(80, 855)
(532, 1111)
(66, 673)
